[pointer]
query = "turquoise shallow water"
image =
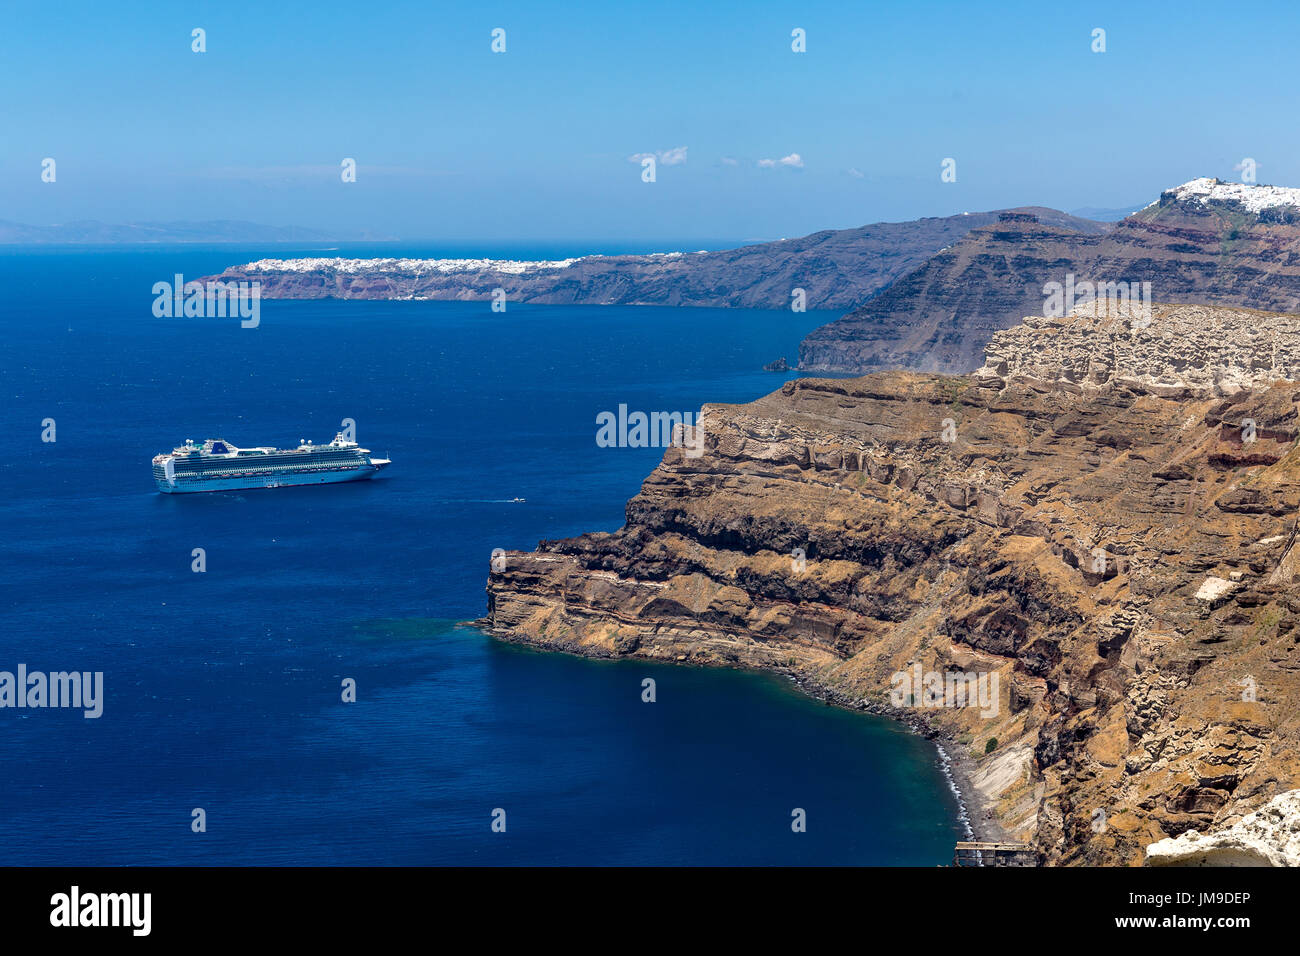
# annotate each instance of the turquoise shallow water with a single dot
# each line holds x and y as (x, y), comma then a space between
(222, 689)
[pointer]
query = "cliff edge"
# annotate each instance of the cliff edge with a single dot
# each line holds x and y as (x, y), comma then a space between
(1076, 566)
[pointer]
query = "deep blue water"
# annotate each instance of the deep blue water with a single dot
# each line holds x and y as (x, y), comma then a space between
(222, 688)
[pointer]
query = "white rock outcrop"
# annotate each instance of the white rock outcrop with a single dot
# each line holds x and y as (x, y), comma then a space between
(1268, 837)
(1213, 588)
(1161, 349)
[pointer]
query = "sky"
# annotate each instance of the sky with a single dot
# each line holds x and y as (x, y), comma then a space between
(752, 140)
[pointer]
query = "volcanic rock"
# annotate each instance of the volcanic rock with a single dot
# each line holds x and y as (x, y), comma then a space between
(1268, 837)
(1051, 522)
(1205, 241)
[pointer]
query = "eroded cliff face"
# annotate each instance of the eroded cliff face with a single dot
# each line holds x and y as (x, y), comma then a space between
(1113, 558)
(1204, 241)
(1268, 837)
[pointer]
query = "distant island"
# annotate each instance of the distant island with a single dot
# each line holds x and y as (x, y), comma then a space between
(926, 295)
(834, 269)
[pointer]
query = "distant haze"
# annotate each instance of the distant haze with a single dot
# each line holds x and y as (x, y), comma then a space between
(219, 231)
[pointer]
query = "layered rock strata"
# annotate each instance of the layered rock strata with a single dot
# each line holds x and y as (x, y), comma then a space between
(1205, 241)
(1077, 566)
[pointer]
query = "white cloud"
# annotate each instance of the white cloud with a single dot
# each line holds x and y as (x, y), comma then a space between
(730, 161)
(673, 157)
(664, 157)
(855, 172)
(794, 159)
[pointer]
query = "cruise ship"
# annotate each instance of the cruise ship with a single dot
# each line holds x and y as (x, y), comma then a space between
(217, 465)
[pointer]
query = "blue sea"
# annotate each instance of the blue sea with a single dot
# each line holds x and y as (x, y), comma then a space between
(222, 689)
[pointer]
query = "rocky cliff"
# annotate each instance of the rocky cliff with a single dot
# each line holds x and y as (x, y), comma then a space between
(1172, 351)
(835, 268)
(1205, 241)
(1268, 837)
(1083, 580)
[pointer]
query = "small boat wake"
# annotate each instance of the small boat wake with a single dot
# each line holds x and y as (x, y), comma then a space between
(482, 501)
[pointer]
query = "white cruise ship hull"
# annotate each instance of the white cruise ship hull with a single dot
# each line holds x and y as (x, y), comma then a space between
(186, 485)
(217, 465)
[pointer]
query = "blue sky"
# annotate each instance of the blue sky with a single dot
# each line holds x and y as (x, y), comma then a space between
(453, 141)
